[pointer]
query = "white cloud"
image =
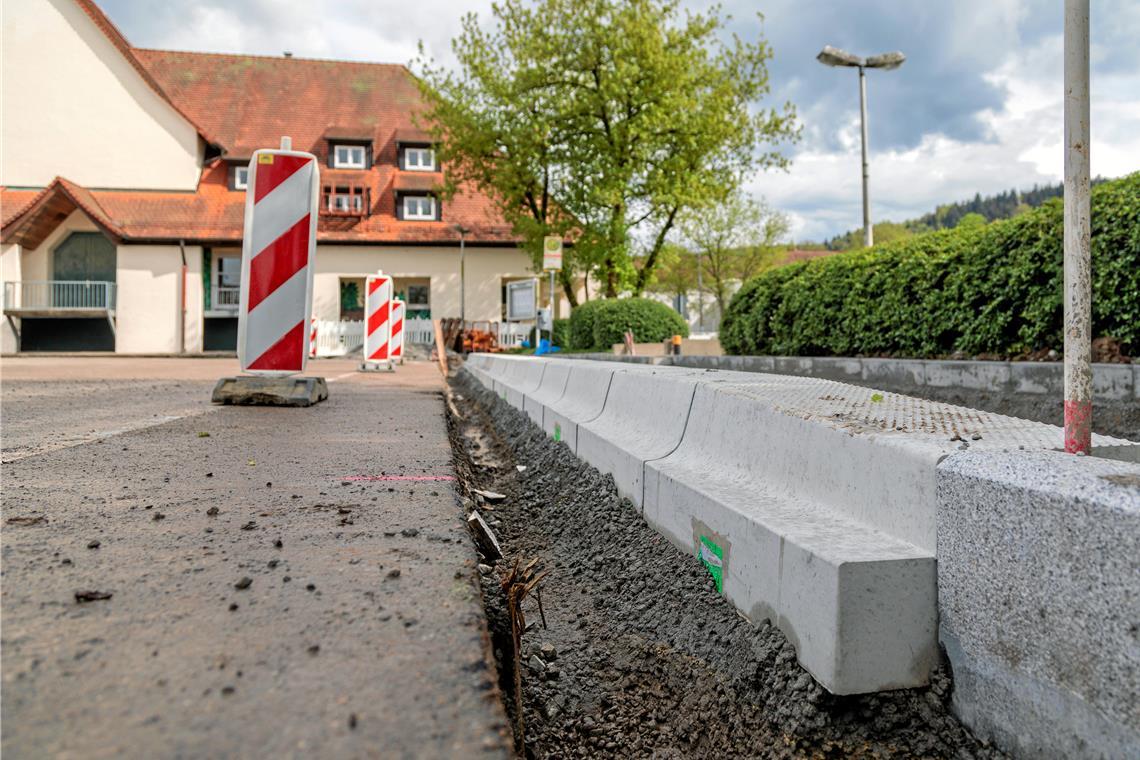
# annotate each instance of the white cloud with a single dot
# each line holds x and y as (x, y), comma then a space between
(1024, 147)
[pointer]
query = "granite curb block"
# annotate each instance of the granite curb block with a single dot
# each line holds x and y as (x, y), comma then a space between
(1038, 560)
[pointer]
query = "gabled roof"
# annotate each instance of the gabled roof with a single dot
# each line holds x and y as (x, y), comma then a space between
(35, 220)
(112, 33)
(251, 101)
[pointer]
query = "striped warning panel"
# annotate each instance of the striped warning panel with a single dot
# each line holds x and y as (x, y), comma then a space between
(396, 350)
(277, 252)
(378, 318)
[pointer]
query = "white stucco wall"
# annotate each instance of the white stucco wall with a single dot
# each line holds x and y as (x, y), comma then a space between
(149, 282)
(10, 271)
(74, 106)
(485, 269)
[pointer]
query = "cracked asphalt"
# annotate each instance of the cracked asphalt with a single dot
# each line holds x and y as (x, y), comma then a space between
(282, 582)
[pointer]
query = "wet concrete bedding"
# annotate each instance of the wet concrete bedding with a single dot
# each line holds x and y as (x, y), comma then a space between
(639, 656)
(222, 586)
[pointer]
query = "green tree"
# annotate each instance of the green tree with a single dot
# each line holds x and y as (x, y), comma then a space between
(603, 120)
(735, 241)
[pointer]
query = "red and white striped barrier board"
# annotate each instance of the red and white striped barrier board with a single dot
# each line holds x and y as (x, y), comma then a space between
(313, 338)
(378, 319)
(277, 254)
(396, 352)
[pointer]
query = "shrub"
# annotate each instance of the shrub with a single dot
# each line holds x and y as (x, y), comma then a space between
(562, 333)
(650, 321)
(995, 288)
(582, 324)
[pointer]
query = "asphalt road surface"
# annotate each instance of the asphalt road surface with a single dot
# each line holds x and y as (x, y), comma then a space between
(280, 582)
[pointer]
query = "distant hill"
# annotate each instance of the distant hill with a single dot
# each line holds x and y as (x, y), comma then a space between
(990, 207)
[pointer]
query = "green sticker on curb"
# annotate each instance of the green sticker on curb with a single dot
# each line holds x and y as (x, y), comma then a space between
(557, 432)
(712, 557)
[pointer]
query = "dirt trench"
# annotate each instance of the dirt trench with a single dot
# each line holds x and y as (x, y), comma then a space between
(634, 653)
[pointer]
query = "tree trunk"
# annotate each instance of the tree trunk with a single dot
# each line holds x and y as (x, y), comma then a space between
(568, 288)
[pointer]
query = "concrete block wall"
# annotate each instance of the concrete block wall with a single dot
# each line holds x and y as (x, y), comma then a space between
(820, 497)
(1039, 596)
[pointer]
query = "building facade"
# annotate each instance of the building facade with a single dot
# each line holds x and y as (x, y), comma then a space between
(123, 176)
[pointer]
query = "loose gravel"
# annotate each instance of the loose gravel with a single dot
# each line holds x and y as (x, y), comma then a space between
(639, 655)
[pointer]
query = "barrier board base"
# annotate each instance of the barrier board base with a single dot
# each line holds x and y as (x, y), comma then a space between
(384, 366)
(247, 390)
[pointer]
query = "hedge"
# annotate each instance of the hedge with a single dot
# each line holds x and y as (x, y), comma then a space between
(993, 289)
(605, 321)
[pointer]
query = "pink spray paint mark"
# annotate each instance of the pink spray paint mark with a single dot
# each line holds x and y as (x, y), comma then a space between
(413, 478)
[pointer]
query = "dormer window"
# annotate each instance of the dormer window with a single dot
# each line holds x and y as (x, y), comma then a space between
(419, 208)
(240, 178)
(419, 159)
(349, 157)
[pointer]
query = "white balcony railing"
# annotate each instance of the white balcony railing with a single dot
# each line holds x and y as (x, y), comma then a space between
(225, 299)
(59, 296)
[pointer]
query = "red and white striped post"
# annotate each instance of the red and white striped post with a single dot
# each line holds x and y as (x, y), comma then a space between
(377, 322)
(396, 351)
(313, 338)
(278, 251)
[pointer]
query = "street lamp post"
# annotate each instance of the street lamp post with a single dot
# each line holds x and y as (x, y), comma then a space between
(462, 274)
(835, 57)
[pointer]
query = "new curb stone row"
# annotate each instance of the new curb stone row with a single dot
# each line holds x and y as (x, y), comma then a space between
(812, 501)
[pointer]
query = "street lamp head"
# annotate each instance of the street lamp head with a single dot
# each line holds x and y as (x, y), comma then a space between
(886, 61)
(832, 56)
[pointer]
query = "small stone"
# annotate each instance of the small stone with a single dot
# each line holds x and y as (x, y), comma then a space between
(286, 579)
(484, 569)
(278, 544)
(410, 532)
(93, 544)
(213, 512)
(536, 665)
(976, 437)
(314, 649)
(92, 596)
(352, 721)
(394, 572)
(549, 653)
(249, 525)
(311, 587)
(244, 583)
(233, 607)
(159, 516)
(228, 691)
(964, 446)
(273, 563)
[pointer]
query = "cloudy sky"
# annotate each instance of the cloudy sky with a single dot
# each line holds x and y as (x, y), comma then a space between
(976, 107)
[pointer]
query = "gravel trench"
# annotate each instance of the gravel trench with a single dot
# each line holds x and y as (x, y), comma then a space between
(639, 655)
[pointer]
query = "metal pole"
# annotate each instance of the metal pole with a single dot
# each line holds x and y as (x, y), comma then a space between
(1078, 232)
(552, 308)
(868, 234)
(462, 281)
(700, 297)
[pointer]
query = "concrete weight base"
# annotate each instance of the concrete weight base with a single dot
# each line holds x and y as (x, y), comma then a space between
(248, 390)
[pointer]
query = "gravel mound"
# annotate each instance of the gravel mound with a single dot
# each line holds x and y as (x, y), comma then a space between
(640, 656)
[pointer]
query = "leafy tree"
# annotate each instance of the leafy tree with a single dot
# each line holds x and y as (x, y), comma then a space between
(602, 119)
(735, 240)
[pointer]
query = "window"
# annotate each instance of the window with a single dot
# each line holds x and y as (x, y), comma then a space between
(344, 200)
(348, 157)
(416, 293)
(421, 207)
(419, 159)
(241, 177)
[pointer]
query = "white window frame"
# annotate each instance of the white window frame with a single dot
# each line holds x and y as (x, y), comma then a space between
(420, 154)
(348, 162)
(419, 216)
(339, 201)
(239, 183)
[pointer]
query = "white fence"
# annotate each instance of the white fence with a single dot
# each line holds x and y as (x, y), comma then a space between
(341, 338)
(335, 338)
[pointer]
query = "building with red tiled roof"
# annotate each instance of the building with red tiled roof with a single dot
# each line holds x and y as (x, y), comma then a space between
(126, 166)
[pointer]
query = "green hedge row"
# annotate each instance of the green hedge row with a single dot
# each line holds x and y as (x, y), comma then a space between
(600, 324)
(993, 289)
